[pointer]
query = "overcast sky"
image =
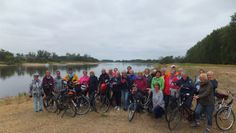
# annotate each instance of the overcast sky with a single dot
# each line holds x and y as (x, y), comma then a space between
(110, 29)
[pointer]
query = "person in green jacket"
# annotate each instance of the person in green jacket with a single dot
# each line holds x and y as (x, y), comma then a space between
(158, 79)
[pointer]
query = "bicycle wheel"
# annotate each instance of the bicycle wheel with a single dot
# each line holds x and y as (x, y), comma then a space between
(70, 109)
(131, 111)
(83, 105)
(102, 103)
(50, 104)
(225, 118)
(167, 113)
(174, 119)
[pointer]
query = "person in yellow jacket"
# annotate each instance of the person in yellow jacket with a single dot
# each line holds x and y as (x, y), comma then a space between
(71, 76)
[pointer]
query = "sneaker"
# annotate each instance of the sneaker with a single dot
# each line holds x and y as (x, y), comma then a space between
(118, 108)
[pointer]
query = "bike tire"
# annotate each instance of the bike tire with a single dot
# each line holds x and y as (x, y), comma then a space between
(219, 119)
(131, 111)
(83, 105)
(174, 119)
(50, 105)
(102, 104)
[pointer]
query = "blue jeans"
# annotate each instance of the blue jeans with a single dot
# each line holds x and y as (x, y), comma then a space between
(208, 110)
(38, 103)
(124, 98)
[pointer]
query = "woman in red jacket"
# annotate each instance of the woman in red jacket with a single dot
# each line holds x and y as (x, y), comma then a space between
(141, 82)
(169, 84)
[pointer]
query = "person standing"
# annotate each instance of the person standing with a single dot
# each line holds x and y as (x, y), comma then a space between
(125, 90)
(93, 86)
(36, 91)
(148, 77)
(58, 82)
(116, 86)
(158, 79)
(214, 82)
(205, 102)
(48, 84)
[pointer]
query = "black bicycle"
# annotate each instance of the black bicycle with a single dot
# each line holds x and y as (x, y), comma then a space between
(180, 112)
(102, 101)
(66, 103)
(138, 102)
(82, 101)
(49, 103)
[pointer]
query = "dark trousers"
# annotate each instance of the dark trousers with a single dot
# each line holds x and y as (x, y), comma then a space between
(158, 111)
(117, 96)
(92, 98)
(166, 99)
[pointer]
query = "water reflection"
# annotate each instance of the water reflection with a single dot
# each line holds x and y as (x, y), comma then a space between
(9, 71)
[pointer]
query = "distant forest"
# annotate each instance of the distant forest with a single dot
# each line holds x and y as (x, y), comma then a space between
(219, 47)
(42, 56)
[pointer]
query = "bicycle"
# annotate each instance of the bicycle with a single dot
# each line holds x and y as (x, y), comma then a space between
(49, 103)
(65, 102)
(82, 101)
(102, 101)
(138, 102)
(181, 111)
(224, 116)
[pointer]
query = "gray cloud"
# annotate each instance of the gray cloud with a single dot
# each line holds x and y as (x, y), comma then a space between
(121, 29)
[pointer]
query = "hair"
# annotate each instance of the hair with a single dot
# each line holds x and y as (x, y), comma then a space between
(69, 69)
(201, 70)
(157, 84)
(204, 76)
(158, 72)
(210, 73)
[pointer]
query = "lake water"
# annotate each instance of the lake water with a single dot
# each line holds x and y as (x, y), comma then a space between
(16, 79)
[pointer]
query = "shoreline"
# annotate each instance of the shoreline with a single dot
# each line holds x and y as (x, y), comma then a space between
(52, 64)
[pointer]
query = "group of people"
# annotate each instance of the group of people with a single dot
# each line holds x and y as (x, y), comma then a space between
(161, 84)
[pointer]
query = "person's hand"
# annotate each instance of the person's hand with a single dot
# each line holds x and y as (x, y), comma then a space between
(196, 97)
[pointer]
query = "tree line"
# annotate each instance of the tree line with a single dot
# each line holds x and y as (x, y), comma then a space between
(42, 56)
(217, 48)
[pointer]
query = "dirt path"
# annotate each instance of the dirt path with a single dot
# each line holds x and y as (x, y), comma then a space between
(20, 118)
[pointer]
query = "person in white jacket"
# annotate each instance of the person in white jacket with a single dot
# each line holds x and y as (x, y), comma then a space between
(36, 91)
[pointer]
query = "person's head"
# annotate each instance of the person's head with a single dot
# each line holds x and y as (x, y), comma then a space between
(147, 71)
(110, 71)
(210, 75)
(203, 78)
(70, 71)
(173, 72)
(180, 70)
(140, 74)
(129, 68)
(158, 74)
(201, 71)
(131, 72)
(157, 87)
(103, 71)
(91, 73)
(115, 69)
(117, 74)
(36, 76)
(85, 73)
(58, 73)
(173, 67)
(124, 74)
(163, 71)
(184, 75)
(48, 73)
